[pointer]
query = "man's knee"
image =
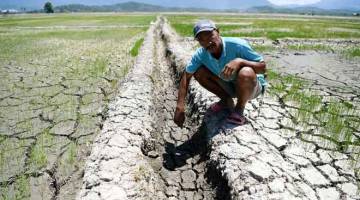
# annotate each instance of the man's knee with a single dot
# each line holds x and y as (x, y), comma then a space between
(247, 74)
(201, 74)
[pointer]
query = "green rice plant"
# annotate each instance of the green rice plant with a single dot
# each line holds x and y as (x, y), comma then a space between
(352, 52)
(263, 48)
(183, 29)
(278, 87)
(71, 155)
(98, 67)
(2, 158)
(337, 123)
(308, 103)
(47, 138)
(271, 27)
(347, 138)
(60, 19)
(4, 193)
(293, 86)
(38, 155)
(22, 187)
(335, 118)
(271, 75)
(135, 49)
(302, 112)
(302, 47)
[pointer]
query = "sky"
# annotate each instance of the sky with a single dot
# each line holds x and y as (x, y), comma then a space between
(293, 2)
(223, 4)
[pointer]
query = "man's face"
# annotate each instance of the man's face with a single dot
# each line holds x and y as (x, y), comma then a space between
(210, 40)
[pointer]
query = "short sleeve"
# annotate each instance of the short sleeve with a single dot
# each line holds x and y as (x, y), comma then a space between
(247, 53)
(194, 63)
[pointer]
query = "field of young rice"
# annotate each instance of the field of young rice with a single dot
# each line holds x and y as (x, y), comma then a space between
(57, 74)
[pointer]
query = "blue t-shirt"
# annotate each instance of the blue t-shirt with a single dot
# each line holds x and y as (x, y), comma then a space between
(232, 48)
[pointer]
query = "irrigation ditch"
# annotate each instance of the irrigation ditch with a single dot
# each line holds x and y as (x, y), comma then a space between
(161, 160)
(142, 154)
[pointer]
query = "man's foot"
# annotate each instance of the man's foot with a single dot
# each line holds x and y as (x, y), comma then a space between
(221, 105)
(237, 118)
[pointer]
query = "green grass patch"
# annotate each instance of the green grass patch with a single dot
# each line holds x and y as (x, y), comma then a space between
(135, 49)
(76, 19)
(98, 67)
(336, 120)
(353, 52)
(303, 47)
(272, 27)
(38, 156)
(263, 48)
(71, 155)
(20, 188)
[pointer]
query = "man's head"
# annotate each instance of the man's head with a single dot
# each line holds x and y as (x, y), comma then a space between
(206, 33)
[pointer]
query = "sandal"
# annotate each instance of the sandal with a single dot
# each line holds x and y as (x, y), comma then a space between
(236, 118)
(217, 107)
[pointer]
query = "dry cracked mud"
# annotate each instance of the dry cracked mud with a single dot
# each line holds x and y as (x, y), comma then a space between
(51, 112)
(142, 154)
(274, 158)
(283, 152)
(161, 160)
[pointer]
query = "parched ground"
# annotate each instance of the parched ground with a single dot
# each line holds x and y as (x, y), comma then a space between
(57, 74)
(81, 117)
(301, 141)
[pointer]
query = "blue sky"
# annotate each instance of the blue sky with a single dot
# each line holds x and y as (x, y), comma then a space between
(221, 4)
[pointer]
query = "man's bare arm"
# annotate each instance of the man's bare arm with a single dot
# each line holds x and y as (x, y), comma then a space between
(179, 116)
(238, 63)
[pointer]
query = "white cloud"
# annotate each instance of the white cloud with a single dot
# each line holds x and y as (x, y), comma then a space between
(297, 2)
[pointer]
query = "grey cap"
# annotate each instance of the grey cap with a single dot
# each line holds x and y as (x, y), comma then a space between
(203, 25)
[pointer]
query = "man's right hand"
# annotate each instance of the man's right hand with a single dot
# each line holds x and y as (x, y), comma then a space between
(179, 116)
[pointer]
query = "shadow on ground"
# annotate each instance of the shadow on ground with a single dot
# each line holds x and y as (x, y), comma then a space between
(176, 157)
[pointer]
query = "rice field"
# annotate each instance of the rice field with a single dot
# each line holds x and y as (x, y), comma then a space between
(272, 27)
(58, 73)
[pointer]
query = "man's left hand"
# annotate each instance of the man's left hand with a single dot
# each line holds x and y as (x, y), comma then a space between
(232, 67)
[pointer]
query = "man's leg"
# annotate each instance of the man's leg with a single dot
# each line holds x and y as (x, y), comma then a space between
(210, 82)
(245, 85)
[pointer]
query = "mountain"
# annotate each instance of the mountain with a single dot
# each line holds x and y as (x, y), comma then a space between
(338, 4)
(128, 6)
(339, 7)
(142, 7)
(123, 7)
(208, 4)
(308, 10)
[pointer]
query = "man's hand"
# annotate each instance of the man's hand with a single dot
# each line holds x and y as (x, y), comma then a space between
(232, 67)
(179, 116)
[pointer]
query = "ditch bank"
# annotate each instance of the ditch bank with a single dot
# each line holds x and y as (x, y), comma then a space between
(116, 168)
(141, 153)
(266, 159)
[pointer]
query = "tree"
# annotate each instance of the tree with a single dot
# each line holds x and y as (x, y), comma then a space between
(48, 7)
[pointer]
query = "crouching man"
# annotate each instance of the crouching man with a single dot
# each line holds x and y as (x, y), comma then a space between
(227, 67)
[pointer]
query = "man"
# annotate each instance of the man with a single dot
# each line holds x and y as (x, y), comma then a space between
(227, 67)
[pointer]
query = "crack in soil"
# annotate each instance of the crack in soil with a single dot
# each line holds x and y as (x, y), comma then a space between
(181, 154)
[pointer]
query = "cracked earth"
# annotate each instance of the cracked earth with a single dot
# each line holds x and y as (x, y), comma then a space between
(142, 154)
(50, 115)
(137, 152)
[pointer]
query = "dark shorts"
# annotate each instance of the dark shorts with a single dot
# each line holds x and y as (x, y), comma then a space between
(229, 87)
